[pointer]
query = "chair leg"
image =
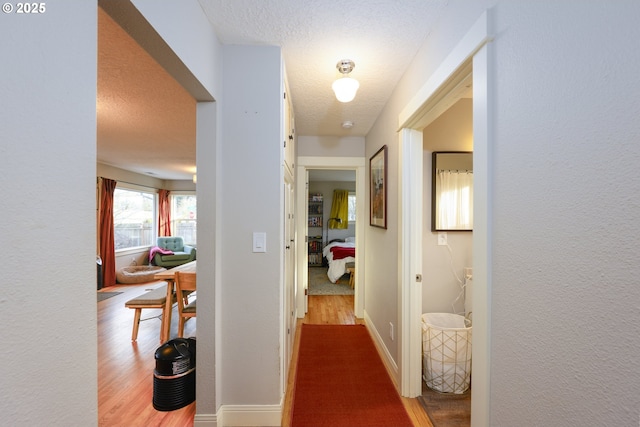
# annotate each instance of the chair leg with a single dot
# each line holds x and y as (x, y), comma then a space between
(181, 326)
(136, 324)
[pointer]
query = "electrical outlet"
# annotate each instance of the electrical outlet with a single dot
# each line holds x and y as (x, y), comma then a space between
(442, 239)
(391, 334)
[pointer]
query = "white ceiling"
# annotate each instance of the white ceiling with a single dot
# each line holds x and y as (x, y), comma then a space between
(146, 122)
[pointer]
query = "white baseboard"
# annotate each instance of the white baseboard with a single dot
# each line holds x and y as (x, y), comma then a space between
(391, 365)
(241, 415)
(205, 420)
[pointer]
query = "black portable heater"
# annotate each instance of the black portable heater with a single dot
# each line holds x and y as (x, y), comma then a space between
(174, 379)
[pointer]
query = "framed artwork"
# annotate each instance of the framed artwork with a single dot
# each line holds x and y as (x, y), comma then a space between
(378, 186)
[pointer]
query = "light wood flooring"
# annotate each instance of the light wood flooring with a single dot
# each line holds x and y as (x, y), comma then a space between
(125, 369)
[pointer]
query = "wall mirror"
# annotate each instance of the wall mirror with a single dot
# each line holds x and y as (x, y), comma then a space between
(452, 191)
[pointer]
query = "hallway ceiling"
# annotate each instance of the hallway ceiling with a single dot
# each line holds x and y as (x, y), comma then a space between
(151, 131)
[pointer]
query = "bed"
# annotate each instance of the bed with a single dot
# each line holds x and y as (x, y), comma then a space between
(338, 254)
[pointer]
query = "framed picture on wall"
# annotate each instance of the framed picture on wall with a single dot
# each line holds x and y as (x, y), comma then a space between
(378, 186)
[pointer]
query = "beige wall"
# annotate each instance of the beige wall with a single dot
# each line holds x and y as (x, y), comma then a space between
(453, 130)
(443, 266)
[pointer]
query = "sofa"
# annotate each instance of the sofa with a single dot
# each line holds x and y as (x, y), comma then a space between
(171, 252)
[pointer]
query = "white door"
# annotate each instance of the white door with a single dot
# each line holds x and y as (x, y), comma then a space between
(289, 268)
(306, 239)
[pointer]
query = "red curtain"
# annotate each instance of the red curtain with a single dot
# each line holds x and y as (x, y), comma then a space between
(107, 241)
(164, 213)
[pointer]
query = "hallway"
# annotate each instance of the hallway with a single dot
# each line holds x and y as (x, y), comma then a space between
(337, 310)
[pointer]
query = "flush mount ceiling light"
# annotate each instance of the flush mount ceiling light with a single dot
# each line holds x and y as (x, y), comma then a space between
(347, 124)
(345, 87)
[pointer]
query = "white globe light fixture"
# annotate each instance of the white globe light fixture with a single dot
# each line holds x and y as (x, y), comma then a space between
(345, 87)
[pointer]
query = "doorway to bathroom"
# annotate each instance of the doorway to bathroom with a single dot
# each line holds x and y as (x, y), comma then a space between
(469, 57)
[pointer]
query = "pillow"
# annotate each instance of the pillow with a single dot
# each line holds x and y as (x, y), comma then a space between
(350, 240)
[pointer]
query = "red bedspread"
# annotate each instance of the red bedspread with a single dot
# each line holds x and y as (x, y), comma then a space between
(340, 252)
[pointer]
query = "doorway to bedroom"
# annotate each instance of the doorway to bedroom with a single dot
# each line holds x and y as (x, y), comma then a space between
(328, 230)
(331, 227)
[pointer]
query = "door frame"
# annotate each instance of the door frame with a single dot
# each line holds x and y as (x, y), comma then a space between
(303, 164)
(471, 53)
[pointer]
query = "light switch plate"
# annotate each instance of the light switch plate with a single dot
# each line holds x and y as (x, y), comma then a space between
(259, 241)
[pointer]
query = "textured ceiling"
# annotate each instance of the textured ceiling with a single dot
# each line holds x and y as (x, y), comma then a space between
(380, 36)
(146, 121)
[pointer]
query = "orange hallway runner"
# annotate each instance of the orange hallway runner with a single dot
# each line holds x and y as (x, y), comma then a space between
(341, 381)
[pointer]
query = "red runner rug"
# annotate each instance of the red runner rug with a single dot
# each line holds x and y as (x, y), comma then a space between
(341, 381)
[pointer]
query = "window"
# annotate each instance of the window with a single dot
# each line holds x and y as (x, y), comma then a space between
(455, 202)
(352, 207)
(134, 214)
(184, 217)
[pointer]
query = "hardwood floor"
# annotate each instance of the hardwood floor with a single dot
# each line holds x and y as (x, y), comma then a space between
(125, 369)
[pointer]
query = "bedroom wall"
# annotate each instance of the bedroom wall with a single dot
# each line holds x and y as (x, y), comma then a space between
(326, 188)
(48, 151)
(452, 131)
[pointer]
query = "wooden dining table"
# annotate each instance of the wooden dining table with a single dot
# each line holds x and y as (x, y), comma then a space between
(169, 277)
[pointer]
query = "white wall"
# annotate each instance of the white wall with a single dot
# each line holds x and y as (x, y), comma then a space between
(565, 214)
(251, 202)
(563, 157)
(48, 364)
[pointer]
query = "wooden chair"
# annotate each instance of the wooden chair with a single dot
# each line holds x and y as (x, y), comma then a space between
(155, 298)
(185, 285)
